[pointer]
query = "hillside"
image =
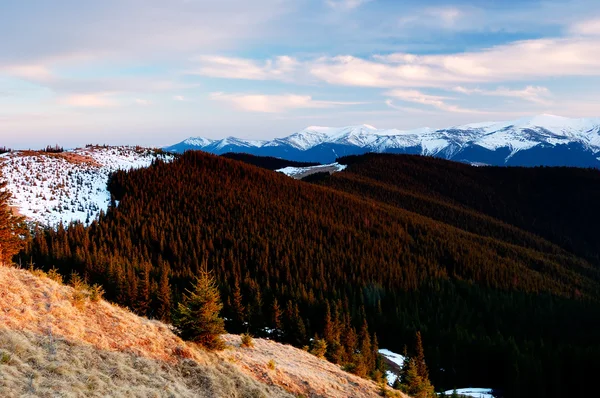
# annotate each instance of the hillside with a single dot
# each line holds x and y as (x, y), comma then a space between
(52, 343)
(50, 188)
(532, 141)
(352, 266)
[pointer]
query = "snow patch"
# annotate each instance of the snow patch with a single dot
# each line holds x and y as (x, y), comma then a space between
(298, 171)
(396, 359)
(69, 186)
(472, 392)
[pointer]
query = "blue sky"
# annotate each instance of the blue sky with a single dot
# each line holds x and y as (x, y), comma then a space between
(154, 72)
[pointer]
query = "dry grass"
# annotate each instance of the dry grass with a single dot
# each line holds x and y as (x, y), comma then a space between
(297, 370)
(52, 345)
(68, 156)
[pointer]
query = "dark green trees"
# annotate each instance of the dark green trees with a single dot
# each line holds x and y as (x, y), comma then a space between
(197, 317)
(415, 376)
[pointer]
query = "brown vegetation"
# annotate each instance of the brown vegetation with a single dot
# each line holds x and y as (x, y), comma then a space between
(48, 344)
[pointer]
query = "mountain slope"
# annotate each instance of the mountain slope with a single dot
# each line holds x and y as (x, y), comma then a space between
(539, 140)
(52, 343)
(50, 188)
(472, 282)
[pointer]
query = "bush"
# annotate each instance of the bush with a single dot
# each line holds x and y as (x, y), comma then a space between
(96, 293)
(271, 364)
(318, 348)
(247, 341)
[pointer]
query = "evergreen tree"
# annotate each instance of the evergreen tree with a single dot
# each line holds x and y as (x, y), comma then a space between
(164, 297)
(238, 310)
(318, 347)
(276, 314)
(197, 318)
(415, 385)
(12, 228)
(420, 358)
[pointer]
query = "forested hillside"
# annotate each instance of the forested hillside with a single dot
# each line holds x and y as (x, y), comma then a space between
(393, 245)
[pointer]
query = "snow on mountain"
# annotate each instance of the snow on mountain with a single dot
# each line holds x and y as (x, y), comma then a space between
(301, 172)
(70, 186)
(471, 392)
(397, 360)
(198, 141)
(555, 140)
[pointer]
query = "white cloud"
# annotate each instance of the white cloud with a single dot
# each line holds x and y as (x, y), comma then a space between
(418, 97)
(345, 5)
(275, 103)
(29, 72)
(586, 28)
(90, 100)
(279, 68)
(530, 93)
(179, 98)
(143, 102)
(522, 60)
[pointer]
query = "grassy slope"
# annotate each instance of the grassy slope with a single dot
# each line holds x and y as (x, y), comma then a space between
(52, 344)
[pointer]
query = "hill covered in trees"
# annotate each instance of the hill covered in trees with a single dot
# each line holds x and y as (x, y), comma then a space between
(370, 255)
(60, 340)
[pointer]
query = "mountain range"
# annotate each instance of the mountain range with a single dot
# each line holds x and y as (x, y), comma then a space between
(533, 141)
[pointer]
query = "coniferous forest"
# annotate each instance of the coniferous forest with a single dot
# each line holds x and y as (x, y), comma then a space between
(498, 268)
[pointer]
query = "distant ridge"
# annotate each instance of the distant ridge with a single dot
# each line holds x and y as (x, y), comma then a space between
(542, 140)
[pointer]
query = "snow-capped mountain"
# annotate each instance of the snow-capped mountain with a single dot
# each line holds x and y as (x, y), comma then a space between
(50, 188)
(539, 140)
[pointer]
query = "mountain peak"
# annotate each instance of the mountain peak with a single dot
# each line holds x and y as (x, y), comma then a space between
(483, 142)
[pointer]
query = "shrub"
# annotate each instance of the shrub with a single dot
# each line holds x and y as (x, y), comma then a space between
(96, 293)
(271, 364)
(247, 341)
(318, 348)
(55, 276)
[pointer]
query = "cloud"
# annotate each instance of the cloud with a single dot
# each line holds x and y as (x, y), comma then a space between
(275, 103)
(418, 97)
(130, 29)
(279, 68)
(530, 93)
(522, 60)
(345, 5)
(28, 72)
(142, 102)
(91, 100)
(586, 28)
(179, 98)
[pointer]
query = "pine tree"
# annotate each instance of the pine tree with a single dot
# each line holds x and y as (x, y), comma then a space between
(420, 358)
(164, 297)
(12, 228)
(197, 317)
(318, 347)
(415, 385)
(239, 310)
(415, 376)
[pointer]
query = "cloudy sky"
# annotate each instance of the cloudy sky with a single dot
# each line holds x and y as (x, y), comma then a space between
(154, 72)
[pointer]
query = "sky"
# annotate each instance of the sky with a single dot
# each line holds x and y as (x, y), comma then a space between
(154, 72)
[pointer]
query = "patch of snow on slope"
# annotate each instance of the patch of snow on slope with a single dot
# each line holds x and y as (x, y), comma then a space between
(395, 358)
(298, 171)
(472, 392)
(70, 186)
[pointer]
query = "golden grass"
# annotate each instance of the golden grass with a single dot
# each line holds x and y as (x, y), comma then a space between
(298, 371)
(51, 347)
